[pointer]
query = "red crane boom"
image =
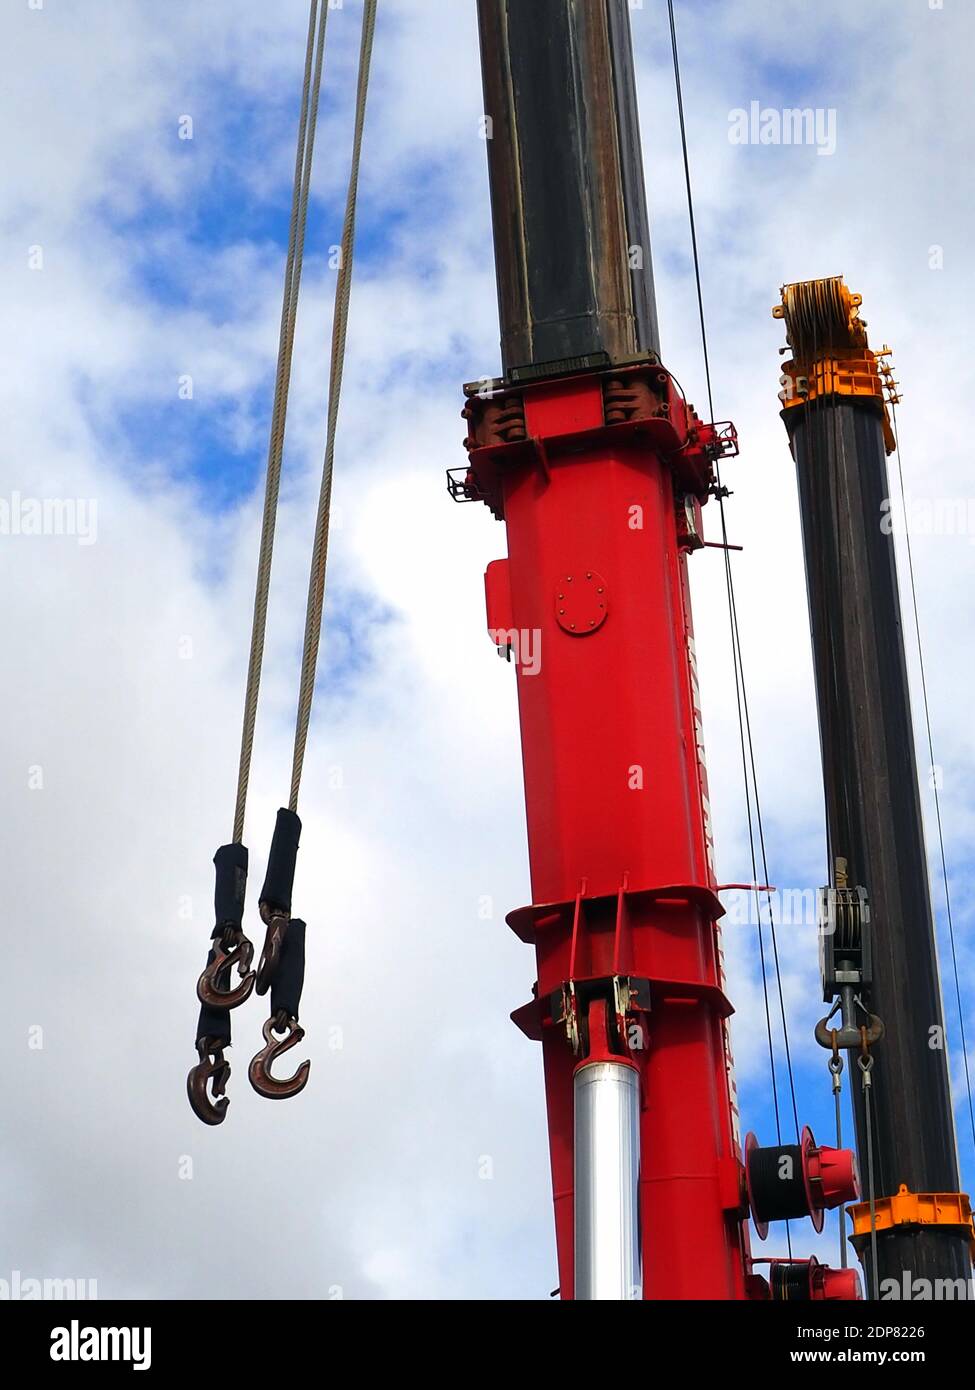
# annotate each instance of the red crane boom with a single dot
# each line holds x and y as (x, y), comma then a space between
(589, 453)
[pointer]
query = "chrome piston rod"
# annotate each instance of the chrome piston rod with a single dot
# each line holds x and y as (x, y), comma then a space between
(608, 1263)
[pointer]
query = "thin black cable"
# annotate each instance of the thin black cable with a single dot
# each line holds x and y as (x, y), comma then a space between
(744, 724)
(838, 1107)
(871, 1186)
(937, 798)
(761, 841)
(735, 655)
(690, 205)
(761, 938)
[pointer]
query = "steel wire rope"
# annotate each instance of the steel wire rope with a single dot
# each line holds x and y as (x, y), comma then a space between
(307, 123)
(744, 721)
(343, 287)
(934, 776)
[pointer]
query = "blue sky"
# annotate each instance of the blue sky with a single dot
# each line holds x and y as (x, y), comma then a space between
(164, 258)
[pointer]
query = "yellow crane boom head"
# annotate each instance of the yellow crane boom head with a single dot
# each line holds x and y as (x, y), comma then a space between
(831, 355)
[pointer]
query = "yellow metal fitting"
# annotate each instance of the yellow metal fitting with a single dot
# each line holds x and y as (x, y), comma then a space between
(951, 1209)
(830, 352)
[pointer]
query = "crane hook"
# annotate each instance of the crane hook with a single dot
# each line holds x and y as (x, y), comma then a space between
(212, 1067)
(277, 928)
(850, 1035)
(259, 1070)
(231, 949)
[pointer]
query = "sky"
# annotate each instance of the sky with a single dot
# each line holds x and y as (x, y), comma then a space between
(141, 283)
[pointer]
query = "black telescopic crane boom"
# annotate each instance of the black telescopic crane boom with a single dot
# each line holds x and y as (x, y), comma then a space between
(571, 236)
(835, 414)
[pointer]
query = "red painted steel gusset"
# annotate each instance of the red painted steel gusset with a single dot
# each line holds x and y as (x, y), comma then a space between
(593, 604)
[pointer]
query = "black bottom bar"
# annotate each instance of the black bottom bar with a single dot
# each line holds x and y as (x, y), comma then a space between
(220, 1338)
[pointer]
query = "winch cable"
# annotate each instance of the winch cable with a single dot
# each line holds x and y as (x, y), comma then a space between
(835, 1065)
(307, 125)
(316, 582)
(282, 963)
(865, 1063)
(934, 774)
(744, 721)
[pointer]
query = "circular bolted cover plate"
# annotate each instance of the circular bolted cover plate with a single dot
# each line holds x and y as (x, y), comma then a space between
(581, 602)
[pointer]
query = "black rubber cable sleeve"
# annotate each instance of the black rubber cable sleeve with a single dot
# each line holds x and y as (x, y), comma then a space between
(280, 876)
(290, 977)
(230, 862)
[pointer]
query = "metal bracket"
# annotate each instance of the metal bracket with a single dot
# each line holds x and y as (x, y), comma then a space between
(627, 996)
